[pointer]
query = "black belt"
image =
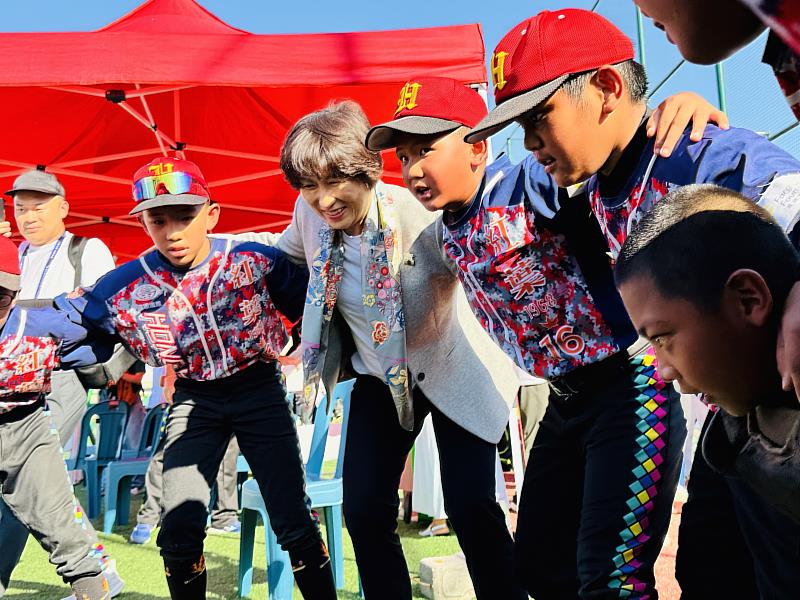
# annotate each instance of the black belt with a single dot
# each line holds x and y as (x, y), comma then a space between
(590, 377)
(252, 375)
(20, 412)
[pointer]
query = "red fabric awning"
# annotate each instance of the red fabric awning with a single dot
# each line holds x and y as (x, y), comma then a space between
(94, 106)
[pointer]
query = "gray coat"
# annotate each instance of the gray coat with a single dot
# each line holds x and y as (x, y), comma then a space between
(451, 359)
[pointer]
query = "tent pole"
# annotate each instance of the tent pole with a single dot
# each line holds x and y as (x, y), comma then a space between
(70, 172)
(101, 93)
(260, 227)
(83, 91)
(150, 118)
(75, 224)
(101, 159)
(151, 91)
(256, 209)
(136, 115)
(244, 178)
(114, 220)
(176, 108)
(234, 153)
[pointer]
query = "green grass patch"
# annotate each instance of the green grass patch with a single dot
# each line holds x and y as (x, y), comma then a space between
(142, 569)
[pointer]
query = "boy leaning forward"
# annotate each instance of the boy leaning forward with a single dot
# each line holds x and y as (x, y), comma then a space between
(570, 79)
(210, 308)
(603, 469)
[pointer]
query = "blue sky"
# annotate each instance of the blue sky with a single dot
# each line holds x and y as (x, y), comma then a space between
(754, 99)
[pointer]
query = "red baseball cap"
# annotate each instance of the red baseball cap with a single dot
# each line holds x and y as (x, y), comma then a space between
(168, 181)
(427, 106)
(538, 55)
(9, 265)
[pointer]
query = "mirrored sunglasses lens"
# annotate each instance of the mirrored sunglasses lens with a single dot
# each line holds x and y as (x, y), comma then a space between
(148, 188)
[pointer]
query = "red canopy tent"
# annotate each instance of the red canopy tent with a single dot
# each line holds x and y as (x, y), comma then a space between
(171, 77)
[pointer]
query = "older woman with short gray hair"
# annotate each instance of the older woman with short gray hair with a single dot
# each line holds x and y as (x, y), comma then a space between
(384, 305)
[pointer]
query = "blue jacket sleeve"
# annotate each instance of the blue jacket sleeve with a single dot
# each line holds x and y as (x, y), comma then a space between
(87, 308)
(79, 347)
(287, 283)
(743, 160)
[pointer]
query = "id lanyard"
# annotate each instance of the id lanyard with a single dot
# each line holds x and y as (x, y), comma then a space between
(50, 258)
(616, 245)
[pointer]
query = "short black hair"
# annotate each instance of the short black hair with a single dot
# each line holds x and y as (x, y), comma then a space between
(697, 236)
(632, 73)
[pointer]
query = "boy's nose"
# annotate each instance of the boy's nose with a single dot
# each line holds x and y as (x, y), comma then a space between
(532, 141)
(176, 232)
(414, 170)
(668, 372)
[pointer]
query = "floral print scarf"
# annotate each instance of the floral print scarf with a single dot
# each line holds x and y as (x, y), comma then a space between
(381, 294)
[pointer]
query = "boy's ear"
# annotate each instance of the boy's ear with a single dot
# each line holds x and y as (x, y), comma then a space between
(213, 216)
(748, 296)
(478, 154)
(609, 83)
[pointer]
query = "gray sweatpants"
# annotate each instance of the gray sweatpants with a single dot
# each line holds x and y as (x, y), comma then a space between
(532, 405)
(66, 404)
(225, 508)
(35, 487)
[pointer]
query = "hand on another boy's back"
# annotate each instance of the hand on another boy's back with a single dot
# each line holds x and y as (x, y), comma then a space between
(788, 351)
(5, 228)
(671, 117)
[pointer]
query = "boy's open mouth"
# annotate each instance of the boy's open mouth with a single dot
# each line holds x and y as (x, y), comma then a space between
(423, 192)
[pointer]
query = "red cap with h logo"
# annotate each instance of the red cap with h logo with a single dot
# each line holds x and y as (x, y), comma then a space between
(427, 106)
(538, 55)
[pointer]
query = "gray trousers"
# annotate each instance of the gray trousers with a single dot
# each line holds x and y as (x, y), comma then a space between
(36, 490)
(66, 404)
(225, 508)
(532, 405)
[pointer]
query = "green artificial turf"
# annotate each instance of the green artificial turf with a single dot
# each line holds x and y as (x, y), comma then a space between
(142, 570)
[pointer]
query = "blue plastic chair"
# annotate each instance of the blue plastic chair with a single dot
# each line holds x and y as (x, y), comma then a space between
(118, 473)
(242, 475)
(325, 494)
(111, 422)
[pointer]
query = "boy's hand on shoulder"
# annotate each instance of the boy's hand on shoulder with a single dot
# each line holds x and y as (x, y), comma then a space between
(670, 119)
(788, 350)
(5, 228)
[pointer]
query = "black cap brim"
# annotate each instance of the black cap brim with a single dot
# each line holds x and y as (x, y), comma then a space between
(385, 135)
(513, 108)
(169, 200)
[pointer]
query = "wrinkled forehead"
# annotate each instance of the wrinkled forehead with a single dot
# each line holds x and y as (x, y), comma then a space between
(28, 199)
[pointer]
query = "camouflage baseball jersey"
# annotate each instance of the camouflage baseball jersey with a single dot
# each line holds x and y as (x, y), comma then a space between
(737, 159)
(522, 279)
(32, 344)
(209, 321)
